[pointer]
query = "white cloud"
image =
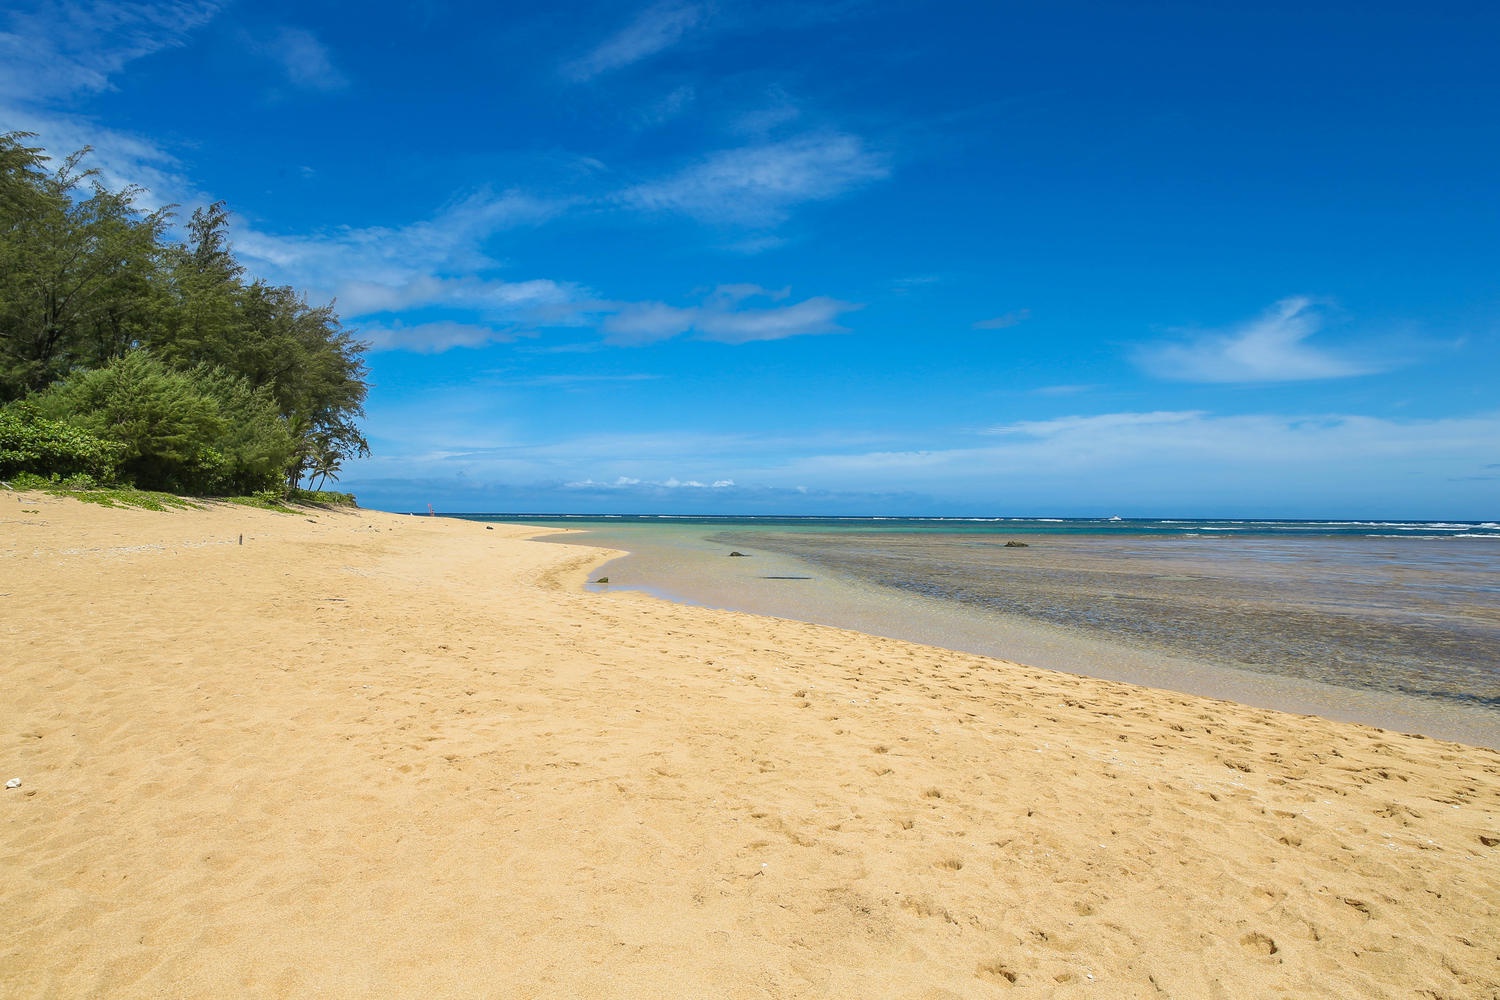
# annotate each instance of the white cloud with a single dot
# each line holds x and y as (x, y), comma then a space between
(756, 244)
(648, 322)
(724, 319)
(1199, 444)
(657, 28)
(1169, 463)
(816, 315)
(53, 50)
(734, 293)
(634, 485)
(779, 110)
(50, 53)
(429, 338)
(449, 243)
(1010, 319)
(667, 107)
(440, 261)
(570, 381)
(1181, 463)
(490, 296)
(757, 185)
(304, 60)
(442, 264)
(1267, 349)
(122, 160)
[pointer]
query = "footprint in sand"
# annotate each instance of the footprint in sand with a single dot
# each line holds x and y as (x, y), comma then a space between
(1259, 944)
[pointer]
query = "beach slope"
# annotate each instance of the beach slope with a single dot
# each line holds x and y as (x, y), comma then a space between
(352, 754)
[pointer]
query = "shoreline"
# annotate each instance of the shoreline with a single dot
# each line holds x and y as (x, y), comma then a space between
(420, 743)
(699, 575)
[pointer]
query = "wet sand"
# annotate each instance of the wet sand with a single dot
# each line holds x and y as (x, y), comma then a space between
(1401, 634)
(369, 755)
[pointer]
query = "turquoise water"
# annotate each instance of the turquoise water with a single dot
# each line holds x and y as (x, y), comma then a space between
(1396, 623)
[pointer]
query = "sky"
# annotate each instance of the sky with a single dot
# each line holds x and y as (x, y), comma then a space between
(1074, 258)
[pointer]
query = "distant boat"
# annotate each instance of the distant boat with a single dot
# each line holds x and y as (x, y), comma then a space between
(1117, 517)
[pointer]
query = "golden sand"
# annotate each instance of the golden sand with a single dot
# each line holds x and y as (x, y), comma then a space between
(364, 755)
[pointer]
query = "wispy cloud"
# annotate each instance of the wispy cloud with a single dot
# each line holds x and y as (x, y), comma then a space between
(122, 159)
(655, 29)
(1270, 348)
(758, 185)
(1009, 319)
(437, 261)
(388, 281)
(815, 315)
(723, 317)
(667, 107)
(1249, 441)
(486, 295)
(429, 338)
(1333, 465)
(778, 110)
(304, 60)
(633, 485)
(54, 50)
(1166, 462)
(571, 381)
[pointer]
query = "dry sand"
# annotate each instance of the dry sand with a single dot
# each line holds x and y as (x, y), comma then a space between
(364, 755)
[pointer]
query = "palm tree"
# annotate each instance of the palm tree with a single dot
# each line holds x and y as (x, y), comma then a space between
(325, 463)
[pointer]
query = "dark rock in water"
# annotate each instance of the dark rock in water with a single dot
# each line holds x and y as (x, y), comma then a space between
(602, 579)
(1016, 545)
(740, 554)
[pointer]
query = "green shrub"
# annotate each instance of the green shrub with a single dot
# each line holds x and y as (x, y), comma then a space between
(326, 498)
(31, 443)
(199, 431)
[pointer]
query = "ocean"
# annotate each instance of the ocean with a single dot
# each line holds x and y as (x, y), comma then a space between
(1389, 623)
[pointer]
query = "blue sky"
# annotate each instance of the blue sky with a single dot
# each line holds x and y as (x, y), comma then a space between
(1071, 258)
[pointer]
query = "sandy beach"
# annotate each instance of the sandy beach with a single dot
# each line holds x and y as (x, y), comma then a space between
(357, 754)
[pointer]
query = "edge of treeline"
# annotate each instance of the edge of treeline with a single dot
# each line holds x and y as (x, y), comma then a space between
(130, 360)
(87, 491)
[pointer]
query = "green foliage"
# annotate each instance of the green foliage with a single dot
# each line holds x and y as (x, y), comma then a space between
(164, 425)
(246, 386)
(78, 266)
(256, 445)
(201, 431)
(288, 497)
(300, 354)
(112, 496)
(320, 498)
(30, 443)
(128, 496)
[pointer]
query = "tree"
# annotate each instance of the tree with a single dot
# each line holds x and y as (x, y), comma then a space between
(257, 445)
(326, 463)
(76, 269)
(204, 323)
(312, 367)
(204, 380)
